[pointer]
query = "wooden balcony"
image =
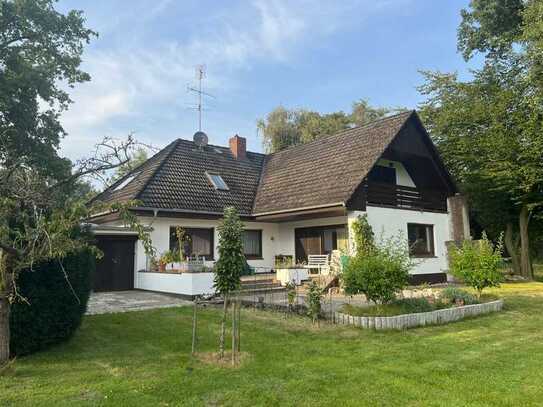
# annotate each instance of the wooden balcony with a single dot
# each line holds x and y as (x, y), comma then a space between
(405, 197)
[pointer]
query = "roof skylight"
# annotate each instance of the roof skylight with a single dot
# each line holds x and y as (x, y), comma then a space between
(217, 182)
(127, 181)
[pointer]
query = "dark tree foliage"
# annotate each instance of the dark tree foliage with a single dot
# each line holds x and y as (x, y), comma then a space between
(41, 192)
(40, 51)
(56, 292)
(489, 128)
(490, 26)
(231, 263)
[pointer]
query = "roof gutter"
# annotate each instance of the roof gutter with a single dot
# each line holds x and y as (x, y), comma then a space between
(305, 208)
(156, 211)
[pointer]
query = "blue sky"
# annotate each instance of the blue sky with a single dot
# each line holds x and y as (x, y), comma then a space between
(320, 55)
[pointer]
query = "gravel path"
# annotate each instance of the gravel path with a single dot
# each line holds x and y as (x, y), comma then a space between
(135, 300)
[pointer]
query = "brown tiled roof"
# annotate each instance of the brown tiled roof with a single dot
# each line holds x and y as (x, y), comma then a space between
(181, 183)
(175, 179)
(325, 171)
(320, 173)
(145, 172)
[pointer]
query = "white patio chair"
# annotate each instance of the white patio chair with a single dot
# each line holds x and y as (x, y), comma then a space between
(320, 262)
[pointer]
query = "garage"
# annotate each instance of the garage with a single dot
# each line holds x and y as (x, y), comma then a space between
(115, 270)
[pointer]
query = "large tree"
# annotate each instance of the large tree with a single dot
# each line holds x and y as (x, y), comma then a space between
(136, 159)
(40, 192)
(489, 129)
(283, 127)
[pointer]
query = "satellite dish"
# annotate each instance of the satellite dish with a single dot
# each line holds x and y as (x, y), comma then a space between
(200, 139)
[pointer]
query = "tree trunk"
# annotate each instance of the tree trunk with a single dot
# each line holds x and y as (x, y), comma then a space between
(6, 278)
(525, 262)
(223, 327)
(4, 329)
(512, 248)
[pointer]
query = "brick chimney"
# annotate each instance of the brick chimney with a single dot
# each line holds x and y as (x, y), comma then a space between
(238, 146)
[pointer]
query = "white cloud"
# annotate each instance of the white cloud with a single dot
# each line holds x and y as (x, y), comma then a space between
(133, 81)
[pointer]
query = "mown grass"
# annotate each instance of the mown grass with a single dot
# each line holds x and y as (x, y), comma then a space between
(142, 358)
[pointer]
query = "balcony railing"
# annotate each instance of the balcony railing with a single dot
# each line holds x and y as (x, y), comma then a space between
(405, 197)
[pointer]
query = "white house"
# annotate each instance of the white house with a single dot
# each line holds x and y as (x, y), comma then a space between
(294, 203)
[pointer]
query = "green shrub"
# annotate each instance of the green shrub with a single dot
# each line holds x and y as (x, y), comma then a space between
(53, 312)
(290, 287)
(478, 263)
(453, 295)
(314, 296)
(231, 263)
(414, 305)
(380, 273)
(363, 236)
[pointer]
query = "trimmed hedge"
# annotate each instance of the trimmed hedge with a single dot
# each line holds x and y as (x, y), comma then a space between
(54, 312)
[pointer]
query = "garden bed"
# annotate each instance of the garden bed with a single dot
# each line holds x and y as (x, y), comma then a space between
(404, 321)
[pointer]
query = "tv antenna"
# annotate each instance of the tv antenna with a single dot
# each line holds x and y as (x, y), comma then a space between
(200, 75)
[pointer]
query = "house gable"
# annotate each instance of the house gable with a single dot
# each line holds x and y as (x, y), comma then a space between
(325, 172)
(412, 151)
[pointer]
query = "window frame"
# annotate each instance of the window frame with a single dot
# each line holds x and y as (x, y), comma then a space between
(211, 230)
(432, 252)
(253, 256)
(124, 183)
(214, 184)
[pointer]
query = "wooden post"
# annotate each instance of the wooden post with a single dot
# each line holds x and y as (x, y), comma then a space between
(331, 308)
(223, 327)
(194, 327)
(234, 333)
(239, 326)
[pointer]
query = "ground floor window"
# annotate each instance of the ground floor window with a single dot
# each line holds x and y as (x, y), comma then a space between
(197, 242)
(252, 244)
(421, 240)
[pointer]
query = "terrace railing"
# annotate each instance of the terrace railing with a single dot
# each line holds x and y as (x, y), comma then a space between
(405, 197)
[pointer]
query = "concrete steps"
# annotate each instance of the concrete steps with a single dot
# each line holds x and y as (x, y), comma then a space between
(259, 285)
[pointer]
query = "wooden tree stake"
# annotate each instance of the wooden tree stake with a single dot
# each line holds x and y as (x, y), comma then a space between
(194, 327)
(234, 303)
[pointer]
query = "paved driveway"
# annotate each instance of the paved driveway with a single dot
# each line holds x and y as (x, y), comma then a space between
(123, 301)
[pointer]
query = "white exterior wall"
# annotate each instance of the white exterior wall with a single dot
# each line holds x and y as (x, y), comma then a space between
(387, 222)
(160, 237)
(277, 238)
(402, 176)
(188, 284)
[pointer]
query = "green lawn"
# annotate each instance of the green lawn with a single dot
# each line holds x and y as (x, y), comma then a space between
(142, 358)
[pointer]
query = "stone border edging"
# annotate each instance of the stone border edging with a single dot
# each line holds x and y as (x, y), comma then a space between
(437, 317)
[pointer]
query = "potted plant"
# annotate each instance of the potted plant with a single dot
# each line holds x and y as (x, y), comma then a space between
(166, 258)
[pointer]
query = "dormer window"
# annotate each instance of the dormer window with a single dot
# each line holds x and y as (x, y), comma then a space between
(217, 182)
(127, 181)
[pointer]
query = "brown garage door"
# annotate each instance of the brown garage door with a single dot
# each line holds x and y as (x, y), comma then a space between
(115, 270)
